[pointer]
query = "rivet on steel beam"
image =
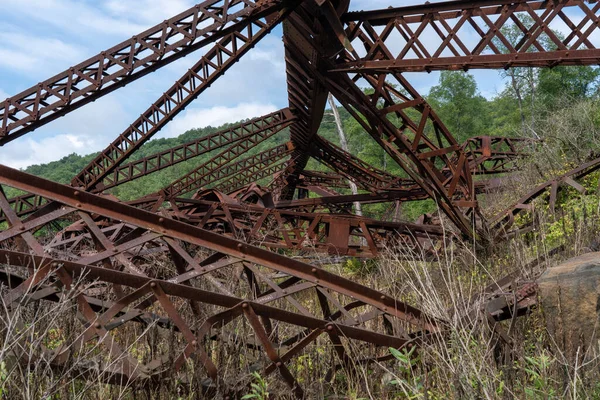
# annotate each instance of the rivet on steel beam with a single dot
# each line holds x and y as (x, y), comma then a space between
(98, 326)
(153, 285)
(239, 246)
(382, 297)
(21, 228)
(244, 305)
(161, 220)
(314, 270)
(279, 364)
(76, 193)
(54, 265)
(285, 292)
(194, 343)
(330, 327)
(78, 205)
(115, 250)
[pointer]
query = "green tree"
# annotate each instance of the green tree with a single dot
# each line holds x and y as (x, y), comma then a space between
(572, 83)
(522, 81)
(457, 101)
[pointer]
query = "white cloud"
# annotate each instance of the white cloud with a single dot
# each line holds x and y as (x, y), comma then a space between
(42, 151)
(72, 16)
(23, 53)
(83, 131)
(3, 95)
(215, 116)
(150, 12)
(272, 54)
(359, 5)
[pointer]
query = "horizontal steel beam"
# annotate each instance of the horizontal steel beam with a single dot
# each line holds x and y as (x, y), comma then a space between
(106, 207)
(463, 35)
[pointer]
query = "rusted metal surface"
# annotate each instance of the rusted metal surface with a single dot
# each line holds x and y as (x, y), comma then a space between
(224, 54)
(505, 223)
(132, 59)
(118, 260)
(496, 155)
(462, 35)
(302, 230)
(219, 167)
(223, 248)
(251, 132)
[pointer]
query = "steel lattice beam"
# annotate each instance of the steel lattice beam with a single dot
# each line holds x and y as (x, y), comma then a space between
(120, 65)
(418, 155)
(207, 243)
(224, 54)
(462, 35)
(255, 173)
(250, 133)
(505, 223)
(220, 168)
(294, 230)
(177, 238)
(90, 203)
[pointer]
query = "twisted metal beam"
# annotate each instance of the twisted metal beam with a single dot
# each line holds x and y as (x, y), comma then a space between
(116, 259)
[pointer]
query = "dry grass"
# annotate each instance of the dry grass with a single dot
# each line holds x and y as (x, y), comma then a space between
(468, 361)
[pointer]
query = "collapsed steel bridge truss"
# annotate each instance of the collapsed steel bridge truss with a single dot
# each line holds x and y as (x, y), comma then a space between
(222, 247)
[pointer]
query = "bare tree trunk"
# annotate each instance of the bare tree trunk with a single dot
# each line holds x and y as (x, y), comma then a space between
(515, 86)
(532, 89)
(344, 143)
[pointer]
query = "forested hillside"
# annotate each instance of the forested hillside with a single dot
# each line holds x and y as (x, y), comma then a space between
(526, 107)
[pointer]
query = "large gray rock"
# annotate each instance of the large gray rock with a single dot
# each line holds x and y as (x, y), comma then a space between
(570, 298)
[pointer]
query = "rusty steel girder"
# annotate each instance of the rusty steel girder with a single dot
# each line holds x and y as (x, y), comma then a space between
(114, 258)
(227, 175)
(250, 133)
(224, 54)
(353, 168)
(202, 267)
(496, 155)
(440, 36)
(505, 222)
(416, 153)
(219, 168)
(487, 155)
(342, 235)
(203, 24)
(252, 174)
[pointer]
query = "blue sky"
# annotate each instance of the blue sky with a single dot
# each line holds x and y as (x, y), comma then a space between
(39, 38)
